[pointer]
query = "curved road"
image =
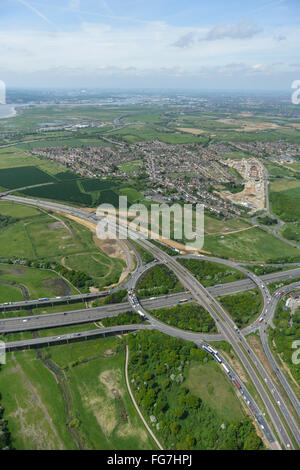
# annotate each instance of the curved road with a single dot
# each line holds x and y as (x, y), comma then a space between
(225, 324)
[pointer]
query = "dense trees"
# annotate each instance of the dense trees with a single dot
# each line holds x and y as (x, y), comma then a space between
(267, 220)
(127, 318)
(243, 307)
(159, 280)
(190, 316)
(234, 187)
(261, 270)
(114, 298)
(157, 369)
(286, 332)
(79, 279)
(6, 220)
(210, 273)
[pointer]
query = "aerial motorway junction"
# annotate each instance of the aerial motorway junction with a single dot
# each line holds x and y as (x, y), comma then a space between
(279, 418)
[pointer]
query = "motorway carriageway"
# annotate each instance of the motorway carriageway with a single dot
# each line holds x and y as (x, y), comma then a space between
(226, 325)
(216, 291)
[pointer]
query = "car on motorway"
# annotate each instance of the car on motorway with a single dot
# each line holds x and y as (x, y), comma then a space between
(25, 320)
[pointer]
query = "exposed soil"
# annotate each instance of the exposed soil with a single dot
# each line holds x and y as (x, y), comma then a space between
(59, 286)
(13, 270)
(190, 130)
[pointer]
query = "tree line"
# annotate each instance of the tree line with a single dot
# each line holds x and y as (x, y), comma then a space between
(181, 420)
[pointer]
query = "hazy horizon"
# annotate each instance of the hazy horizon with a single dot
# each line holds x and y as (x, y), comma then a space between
(166, 44)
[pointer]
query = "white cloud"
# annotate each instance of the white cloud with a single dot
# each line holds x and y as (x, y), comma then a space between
(243, 30)
(143, 50)
(186, 40)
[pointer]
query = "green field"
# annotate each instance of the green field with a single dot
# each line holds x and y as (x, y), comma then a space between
(214, 226)
(88, 408)
(208, 382)
(285, 199)
(291, 231)
(33, 403)
(20, 282)
(35, 235)
(99, 266)
(23, 176)
(13, 157)
(131, 166)
(277, 171)
(68, 191)
(9, 293)
(254, 244)
(148, 132)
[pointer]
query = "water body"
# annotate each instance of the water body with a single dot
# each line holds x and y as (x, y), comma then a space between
(7, 111)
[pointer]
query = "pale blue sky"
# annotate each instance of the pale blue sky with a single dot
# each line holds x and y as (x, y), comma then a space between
(150, 44)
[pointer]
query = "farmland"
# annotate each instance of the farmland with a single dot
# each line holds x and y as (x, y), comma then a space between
(75, 395)
(23, 176)
(68, 191)
(14, 157)
(89, 193)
